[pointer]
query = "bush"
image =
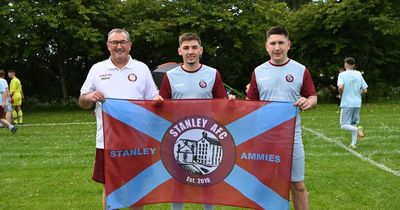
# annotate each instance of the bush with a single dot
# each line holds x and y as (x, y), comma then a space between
(35, 104)
(383, 92)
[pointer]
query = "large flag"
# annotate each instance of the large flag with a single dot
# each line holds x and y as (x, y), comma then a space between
(217, 151)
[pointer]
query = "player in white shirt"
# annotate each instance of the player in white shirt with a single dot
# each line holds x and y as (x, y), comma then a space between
(120, 76)
(351, 85)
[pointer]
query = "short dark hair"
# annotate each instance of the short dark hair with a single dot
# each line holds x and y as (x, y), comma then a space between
(1, 73)
(350, 60)
(12, 70)
(189, 37)
(278, 30)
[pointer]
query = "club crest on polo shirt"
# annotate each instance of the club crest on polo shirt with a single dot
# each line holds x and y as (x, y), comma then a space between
(198, 150)
(203, 84)
(289, 78)
(132, 77)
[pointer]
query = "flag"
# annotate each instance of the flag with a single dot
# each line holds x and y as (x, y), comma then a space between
(213, 151)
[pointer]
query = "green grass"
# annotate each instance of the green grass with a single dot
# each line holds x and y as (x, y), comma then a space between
(337, 179)
(48, 163)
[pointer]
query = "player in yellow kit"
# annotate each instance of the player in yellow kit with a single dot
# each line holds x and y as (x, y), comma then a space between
(16, 95)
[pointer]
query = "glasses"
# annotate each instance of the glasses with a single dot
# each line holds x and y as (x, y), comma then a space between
(123, 43)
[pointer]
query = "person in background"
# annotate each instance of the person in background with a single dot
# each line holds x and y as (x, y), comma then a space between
(5, 106)
(192, 80)
(334, 88)
(351, 85)
(284, 79)
(121, 77)
(8, 108)
(16, 96)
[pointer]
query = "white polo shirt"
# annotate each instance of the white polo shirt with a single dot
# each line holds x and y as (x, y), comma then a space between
(134, 81)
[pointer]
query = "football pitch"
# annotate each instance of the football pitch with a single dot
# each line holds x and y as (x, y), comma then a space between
(48, 163)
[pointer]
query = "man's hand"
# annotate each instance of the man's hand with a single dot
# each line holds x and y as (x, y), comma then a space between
(231, 97)
(95, 96)
(158, 100)
(86, 101)
(306, 103)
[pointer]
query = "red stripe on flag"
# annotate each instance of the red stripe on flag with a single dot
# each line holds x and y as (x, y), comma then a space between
(264, 155)
(122, 143)
(212, 194)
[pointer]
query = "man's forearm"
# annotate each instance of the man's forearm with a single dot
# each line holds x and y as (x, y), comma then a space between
(4, 96)
(84, 103)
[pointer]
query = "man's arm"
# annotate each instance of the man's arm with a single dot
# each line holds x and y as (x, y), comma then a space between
(4, 98)
(22, 93)
(165, 88)
(340, 89)
(218, 90)
(86, 101)
(308, 93)
(364, 91)
(306, 103)
(252, 93)
(12, 87)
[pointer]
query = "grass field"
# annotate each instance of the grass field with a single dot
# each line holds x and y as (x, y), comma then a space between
(48, 163)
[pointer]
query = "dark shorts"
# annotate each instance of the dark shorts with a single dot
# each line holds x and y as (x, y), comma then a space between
(1, 112)
(98, 171)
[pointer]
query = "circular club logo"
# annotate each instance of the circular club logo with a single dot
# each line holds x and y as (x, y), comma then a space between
(198, 150)
(289, 78)
(132, 77)
(203, 84)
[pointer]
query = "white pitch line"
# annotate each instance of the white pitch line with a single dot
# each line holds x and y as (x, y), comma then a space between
(362, 157)
(54, 124)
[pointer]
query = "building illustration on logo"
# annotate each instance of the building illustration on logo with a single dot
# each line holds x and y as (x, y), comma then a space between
(201, 156)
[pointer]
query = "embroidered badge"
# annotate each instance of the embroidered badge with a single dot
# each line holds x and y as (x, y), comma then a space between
(202, 84)
(289, 78)
(132, 77)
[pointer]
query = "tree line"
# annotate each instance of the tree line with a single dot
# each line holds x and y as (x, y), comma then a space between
(52, 44)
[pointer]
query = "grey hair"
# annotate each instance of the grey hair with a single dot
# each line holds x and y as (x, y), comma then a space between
(118, 30)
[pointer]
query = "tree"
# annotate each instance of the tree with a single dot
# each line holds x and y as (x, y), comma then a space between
(55, 42)
(50, 39)
(325, 33)
(296, 4)
(232, 32)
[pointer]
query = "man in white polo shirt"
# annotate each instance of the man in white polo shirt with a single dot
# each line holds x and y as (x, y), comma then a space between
(120, 76)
